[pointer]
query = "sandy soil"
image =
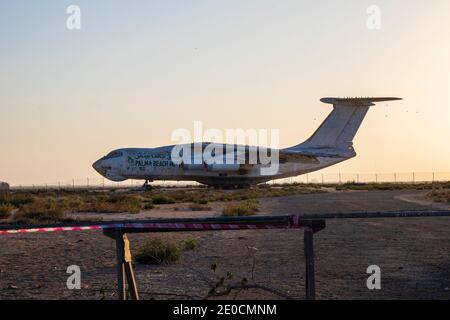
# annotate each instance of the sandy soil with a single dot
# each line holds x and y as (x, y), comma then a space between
(413, 254)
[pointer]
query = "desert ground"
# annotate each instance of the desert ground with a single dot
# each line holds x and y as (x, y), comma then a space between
(413, 254)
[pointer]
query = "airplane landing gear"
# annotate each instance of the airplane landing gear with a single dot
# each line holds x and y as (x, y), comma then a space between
(146, 186)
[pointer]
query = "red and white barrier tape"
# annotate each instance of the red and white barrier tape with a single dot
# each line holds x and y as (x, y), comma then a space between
(156, 226)
(54, 229)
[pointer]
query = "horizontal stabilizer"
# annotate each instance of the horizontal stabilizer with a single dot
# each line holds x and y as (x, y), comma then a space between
(358, 101)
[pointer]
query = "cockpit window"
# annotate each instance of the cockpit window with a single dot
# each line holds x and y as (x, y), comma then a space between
(114, 154)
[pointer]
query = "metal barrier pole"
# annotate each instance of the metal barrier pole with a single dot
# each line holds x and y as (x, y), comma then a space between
(128, 268)
(120, 247)
(126, 281)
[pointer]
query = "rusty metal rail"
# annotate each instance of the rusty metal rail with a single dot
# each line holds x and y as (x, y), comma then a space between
(281, 220)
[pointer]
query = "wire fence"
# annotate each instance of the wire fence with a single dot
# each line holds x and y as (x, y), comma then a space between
(311, 178)
(396, 177)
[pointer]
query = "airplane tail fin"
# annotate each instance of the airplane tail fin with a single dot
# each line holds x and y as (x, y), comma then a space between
(341, 125)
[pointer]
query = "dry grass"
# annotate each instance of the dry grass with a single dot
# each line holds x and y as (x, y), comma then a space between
(105, 206)
(158, 251)
(74, 204)
(439, 195)
(203, 196)
(247, 208)
(50, 206)
(40, 211)
(199, 207)
(390, 186)
(117, 203)
(18, 199)
(189, 244)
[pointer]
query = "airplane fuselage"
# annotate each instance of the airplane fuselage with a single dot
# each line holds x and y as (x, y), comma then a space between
(156, 164)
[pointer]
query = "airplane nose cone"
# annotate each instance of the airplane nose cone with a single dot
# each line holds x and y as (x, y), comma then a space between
(97, 165)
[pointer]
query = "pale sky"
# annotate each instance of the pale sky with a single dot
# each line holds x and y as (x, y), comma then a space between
(137, 70)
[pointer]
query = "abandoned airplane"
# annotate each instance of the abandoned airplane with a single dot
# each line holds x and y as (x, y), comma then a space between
(236, 166)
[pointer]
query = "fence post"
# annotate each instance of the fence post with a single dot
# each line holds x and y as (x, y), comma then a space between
(120, 248)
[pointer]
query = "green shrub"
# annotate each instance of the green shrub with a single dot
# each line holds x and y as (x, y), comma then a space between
(247, 208)
(5, 210)
(190, 244)
(162, 199)
(157, 251)
(149, 206)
